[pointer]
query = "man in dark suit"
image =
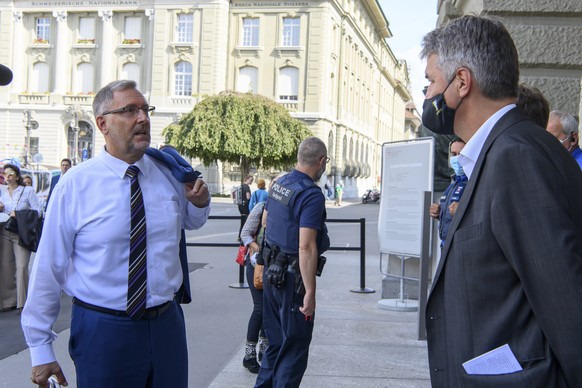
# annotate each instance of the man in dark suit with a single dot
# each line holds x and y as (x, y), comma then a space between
(511, 268)
(66, 164)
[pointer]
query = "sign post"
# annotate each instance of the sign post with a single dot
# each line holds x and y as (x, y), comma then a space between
(407, 173)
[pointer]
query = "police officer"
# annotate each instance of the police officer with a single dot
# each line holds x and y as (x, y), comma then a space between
(449, 201)
(296, 237)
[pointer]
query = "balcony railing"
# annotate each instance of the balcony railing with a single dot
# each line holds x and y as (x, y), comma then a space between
(182, 100)
(40, 99)
(78, 100)
(290, 106)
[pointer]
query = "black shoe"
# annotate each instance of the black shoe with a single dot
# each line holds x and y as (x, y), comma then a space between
(252, 365)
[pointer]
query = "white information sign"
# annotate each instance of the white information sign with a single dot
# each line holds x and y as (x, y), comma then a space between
(407, 171)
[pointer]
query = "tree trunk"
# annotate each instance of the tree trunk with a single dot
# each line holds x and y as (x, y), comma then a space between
(244, 168)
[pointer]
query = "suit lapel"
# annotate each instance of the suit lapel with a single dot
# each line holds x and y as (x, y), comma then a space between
(510, 118)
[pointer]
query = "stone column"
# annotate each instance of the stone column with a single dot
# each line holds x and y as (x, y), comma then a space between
(18, 61)
(107, 48)
(148, 54)
(63, 70)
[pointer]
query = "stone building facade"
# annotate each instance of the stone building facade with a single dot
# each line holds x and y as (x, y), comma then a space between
(326, 61)
(548, 37)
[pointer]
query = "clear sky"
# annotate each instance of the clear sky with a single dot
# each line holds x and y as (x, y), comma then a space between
(409, 21)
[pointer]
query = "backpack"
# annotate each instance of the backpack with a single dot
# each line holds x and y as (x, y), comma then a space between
(236, 193)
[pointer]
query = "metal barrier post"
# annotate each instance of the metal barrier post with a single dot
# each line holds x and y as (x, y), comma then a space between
(241, 271)
(363, 289)
(241, 279)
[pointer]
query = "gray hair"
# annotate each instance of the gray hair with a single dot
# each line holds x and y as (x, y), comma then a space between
(569, 123)
(104, 97)
(483, 46)
(311, 150)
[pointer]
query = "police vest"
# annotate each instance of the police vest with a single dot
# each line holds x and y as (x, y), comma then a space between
(453, 193)
(282, 224)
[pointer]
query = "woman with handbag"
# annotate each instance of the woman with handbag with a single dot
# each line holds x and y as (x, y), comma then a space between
(251, 236)
(14, 258)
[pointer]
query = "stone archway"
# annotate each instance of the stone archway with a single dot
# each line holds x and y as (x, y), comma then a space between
(84, 149)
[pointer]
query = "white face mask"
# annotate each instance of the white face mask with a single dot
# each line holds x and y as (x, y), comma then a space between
(456, 166)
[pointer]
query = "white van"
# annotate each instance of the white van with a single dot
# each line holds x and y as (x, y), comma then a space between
(41, 180)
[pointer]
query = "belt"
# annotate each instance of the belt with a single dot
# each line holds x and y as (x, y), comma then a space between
(151, 313)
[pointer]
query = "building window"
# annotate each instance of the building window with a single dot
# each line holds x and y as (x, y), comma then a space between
(247, 79)
(291, 32)
(130, 71)
(183, 79)
(250, 36)
(86, 30)
(84, 78)
(288, 84)
(39, 80)
(185, 28)
(43, 30)
(132, 30)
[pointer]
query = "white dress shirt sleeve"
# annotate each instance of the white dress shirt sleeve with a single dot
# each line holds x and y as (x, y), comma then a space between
(47, 279)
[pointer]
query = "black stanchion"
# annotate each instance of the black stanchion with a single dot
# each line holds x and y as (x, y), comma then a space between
(241, 269)
(241, 279)
(363, 289)
(362, 248)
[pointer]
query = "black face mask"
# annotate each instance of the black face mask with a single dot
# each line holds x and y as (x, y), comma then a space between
(437, 116)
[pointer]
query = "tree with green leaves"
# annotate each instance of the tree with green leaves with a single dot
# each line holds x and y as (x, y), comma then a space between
(241, 128)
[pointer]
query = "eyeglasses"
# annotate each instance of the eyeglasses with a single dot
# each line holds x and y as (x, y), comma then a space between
(132, 110)
(327, 159)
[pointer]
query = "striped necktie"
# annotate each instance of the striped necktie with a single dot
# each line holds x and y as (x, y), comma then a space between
(137, 276)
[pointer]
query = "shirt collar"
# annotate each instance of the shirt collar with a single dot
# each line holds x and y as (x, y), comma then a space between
(118, 166)
(470, 153)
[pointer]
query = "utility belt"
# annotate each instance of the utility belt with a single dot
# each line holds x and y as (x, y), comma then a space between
(277, 264)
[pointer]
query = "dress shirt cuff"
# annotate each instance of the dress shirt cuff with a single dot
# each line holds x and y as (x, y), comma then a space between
(42, 354)
(197, 216)
(205, 205)
(198, 211)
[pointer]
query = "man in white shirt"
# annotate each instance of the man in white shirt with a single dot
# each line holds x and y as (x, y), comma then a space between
(510, 275)
(85, 249)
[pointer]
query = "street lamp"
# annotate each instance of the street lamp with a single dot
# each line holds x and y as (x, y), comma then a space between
(29, 123)
(74, 111)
